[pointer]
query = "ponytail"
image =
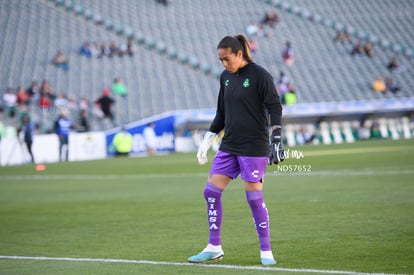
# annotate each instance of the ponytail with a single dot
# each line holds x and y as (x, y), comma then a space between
(247, 54)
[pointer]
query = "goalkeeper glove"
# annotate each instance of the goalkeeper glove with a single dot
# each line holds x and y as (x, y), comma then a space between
(204, 146)
(276, 152)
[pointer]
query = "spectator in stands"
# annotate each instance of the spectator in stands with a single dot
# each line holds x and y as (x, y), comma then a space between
(379, 85)
(115, 50)
(163, 2)
(130, 47)
(394, 65)
(98, 19)
(282, 86)
(61, 102)
(10, 103)
(44, 101)
(22, 97)
(253, 45)
(46, 89)
(287, 54)
(85, 49)
(83, 124)
(357, 50)
(282, 82)
(105, 103)
(264, 31)
(342, 36)
(303, 136)
(72, 105)
(33, 90)
(283, 78)
(368, 49)
(150, 138)
(105, 50)
(61, 61)
(84, 104)
(251, 29)
(390, 86)
(122, 49)
(95, 49)
(271, 19)
(119, 88)
(63, 126)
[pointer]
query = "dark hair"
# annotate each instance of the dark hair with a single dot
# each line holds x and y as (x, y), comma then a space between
(237, 43)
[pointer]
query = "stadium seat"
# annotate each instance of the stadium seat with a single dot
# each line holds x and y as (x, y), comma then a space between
(108, 24)
(172, 53)
(128, 32)
(347, 131)
(382, 124)
(325, 133)
(118, 28)
(315, 74)
(140, 39)
(69, 5)
(205, 68)
(339, 27)
(88, 14)
(194, 62)
(161, 47)
(335, 130)
(406, 128)
(409, 53)
(287, 7)
(290, 134)
(150, 43)
(78, 9)
(183, 58)
(328, 23)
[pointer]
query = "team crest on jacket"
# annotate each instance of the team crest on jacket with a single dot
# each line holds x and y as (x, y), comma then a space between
(246, 83)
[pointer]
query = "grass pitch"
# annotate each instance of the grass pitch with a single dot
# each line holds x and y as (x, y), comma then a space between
(343, 207)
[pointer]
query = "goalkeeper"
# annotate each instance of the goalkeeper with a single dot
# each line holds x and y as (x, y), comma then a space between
(246, 98)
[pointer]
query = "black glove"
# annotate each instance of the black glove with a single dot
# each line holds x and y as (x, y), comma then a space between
(276, 152)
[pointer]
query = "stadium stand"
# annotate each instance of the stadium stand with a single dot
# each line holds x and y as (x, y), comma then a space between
(175, 65)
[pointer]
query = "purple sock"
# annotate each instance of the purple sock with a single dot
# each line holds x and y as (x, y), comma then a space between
(261, 218)
(212, 194)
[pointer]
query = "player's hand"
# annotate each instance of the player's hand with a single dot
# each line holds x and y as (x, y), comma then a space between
(204, 146)
(276, 152)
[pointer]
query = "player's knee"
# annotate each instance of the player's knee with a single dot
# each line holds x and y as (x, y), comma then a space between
(211, 190)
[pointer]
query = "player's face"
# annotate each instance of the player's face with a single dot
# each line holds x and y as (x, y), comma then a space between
(231, 61)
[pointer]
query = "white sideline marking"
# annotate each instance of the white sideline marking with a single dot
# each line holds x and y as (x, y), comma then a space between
(186, 264)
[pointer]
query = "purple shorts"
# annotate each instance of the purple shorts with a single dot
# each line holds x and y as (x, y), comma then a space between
(251, 169)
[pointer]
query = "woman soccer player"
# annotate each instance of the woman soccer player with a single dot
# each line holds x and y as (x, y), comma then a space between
(246, 99)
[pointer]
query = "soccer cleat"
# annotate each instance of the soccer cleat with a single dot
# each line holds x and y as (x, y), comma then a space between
(205, 256)
(266, 261)
(267, 257)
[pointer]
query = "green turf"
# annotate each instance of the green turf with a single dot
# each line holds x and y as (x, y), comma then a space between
(353, 210)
